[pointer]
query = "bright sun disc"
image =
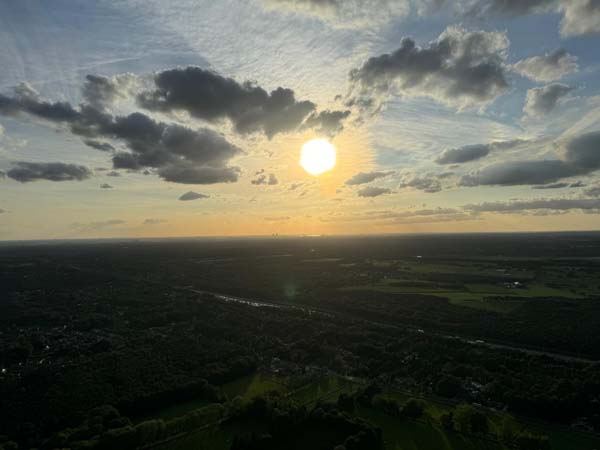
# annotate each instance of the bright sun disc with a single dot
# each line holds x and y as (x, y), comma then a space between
(317, 156)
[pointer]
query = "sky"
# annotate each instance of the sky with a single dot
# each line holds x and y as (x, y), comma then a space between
(155, 118)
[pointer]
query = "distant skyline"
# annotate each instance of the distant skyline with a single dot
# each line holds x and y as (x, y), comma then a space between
(131, 118)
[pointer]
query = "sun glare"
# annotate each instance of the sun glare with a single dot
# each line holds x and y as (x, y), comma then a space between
(317, 156)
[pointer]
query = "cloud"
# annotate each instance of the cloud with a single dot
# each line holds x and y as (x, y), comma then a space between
(102, 146)
(594, 191)
(514, 173)
(348, 13)
(580, 17)
(460, 68)
(484, 8)
(433, 215)
(560, 204)
(580, 155)
(366, 177)
(576, 184)
(105, 186)
(100, 92)
(184, 174)
(191, 195)
(327, 122)
(27, 100)
(25, 172)
(209, 96)
(463, 154)
(553, 186)
(474, 152)
(263, 178)
(542, 100)
(373, 191)
(583, 151)
(180, 154)
(549, 67)
(428, 184)
(154, 221)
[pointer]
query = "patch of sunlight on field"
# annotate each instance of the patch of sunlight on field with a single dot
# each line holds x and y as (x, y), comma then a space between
(252, 386)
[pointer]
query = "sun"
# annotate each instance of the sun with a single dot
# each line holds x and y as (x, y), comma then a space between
(317, 156)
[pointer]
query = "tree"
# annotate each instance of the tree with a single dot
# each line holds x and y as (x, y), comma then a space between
(528, 441)
(447, 421)
(346, 403)
(470, 420)
(448, 386)
(413, 409)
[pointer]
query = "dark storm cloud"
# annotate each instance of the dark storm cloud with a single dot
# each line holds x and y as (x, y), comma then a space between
(548, 67)
(542, 100)
(250, 108)
(366, 177)
(98, 145)
(191, 195)
(25, 172)
(373, 191)
(561, 204)
(179, 154)
(459, 68)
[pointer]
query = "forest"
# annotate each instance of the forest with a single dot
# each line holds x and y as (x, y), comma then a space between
(242, 344)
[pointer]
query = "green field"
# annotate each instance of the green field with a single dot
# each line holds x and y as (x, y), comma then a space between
(399, 433)
(456, 282)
